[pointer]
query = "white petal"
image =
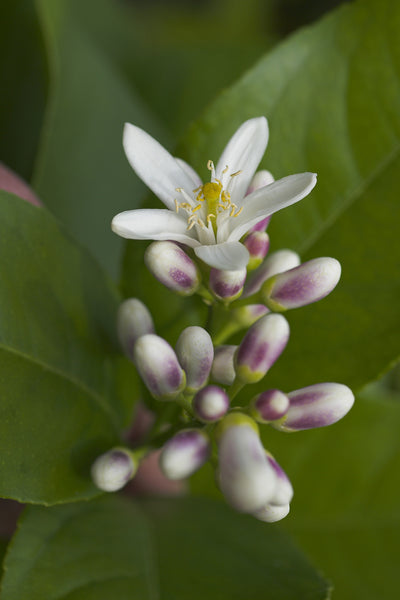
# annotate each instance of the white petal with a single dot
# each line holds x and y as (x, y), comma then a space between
(154, 165)
(153, 224)
(243, 153)
(229, 256)
(269, 199)
(190, 172)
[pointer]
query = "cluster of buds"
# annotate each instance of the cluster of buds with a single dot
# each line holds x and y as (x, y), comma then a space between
(202, 374)
(211, 240)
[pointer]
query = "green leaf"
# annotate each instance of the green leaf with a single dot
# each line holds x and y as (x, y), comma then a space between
(175, 549)
(60, 402)
(332, 96)
(23, 85)
(82, 174)
(346, 508)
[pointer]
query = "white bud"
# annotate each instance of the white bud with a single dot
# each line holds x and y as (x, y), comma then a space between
(133, 321)
(158, 366)
(183, 454)
(316, 406)
(172, 267)
(223, 368)
(195, 352)
(277, 262)
(112, 470)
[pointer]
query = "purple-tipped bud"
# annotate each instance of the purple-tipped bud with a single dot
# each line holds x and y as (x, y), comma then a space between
(269, 406)
(223, 368)
(277, 262)
(279, 505)
(112, 470)
(316, 406)
(284, 490)
(257, 243)
(245, 316)
(183, 454)
(172, 267)
(227, 285)
(133, 321)
(210, 404)
(307, 283)
(195, 352)
(158, 366)
(261, 347)
(245, 476)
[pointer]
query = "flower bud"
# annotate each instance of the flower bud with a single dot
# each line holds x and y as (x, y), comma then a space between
(112, 470)
(172, 267)
(210, 404)
(245, 476)
(272, 513)
(260, 179)
(195, 352)
(316, 406)
(183, 454)
(257, 243)
(261, 347)
(158, 366)
(133, 321)
(245, 316)
(223, 369)
(307, 283)
(227, 285)
(284, 491)
(269, 406)
(277, 262)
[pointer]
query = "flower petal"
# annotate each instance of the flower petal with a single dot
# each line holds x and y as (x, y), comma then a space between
(268, 200)
(243, 153)
(153, 224)
(229, 256)
(190, 172)
(154, 165)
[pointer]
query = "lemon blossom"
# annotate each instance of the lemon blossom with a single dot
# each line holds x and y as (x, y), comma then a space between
(212, 217)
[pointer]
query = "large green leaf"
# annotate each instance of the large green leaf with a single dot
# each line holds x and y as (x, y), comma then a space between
(346, 508)
(60, 402)
(81, 172)
(176, 549)
(332, 96)
(23, 84)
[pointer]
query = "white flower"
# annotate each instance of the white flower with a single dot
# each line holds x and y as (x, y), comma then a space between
(212, 217)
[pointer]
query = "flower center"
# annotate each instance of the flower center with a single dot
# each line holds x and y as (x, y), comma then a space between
(212, 200)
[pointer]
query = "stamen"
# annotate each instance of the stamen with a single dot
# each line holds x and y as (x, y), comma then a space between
(190, 225)
(197, 189)
(238, 212)
(176, 205)
(198, 207)
(236, 173)
(209, 217)
(210, 165)
(225, 170)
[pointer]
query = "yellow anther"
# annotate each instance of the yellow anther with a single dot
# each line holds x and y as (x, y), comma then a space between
(197, 189)
(210, 165)
(190, 225)
(225, 170)
(201, 223)
(238, 212)
(198, 207)
(235, 174)
(176, 205)
(209, 217)
(178, 189)
(232, 213)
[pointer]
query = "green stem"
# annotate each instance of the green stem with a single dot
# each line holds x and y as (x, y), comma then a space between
(235, 388)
